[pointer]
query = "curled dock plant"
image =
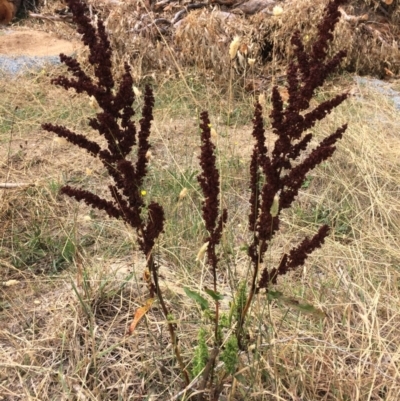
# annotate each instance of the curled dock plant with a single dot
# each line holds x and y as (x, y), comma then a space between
(114, 123)
(276, 176)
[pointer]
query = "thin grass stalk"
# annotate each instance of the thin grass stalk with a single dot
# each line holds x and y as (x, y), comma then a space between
(151, 263)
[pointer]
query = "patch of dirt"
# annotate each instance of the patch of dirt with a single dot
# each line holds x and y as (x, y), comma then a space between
(34, 43)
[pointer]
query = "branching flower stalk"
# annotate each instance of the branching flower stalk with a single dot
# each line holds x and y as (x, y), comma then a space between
(275, 176)
(214, 220)
(276, 179)
(114, 123)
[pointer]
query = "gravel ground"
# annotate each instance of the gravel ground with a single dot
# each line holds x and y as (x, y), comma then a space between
(381, 87)
(14, 65)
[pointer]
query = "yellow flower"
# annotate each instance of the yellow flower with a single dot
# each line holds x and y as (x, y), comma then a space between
(143, 192)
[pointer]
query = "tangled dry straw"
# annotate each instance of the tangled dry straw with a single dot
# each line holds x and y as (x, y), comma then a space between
(154, 39)
(369, 36)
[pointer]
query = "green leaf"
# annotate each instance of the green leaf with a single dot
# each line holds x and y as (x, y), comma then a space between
(240, 378)
(274, 295)
(305, 308)
(295, 304)
(197, 298)
(216, 296)
(307, 182)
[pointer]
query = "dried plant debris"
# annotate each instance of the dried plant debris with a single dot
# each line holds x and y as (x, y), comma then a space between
(166, 35)
(369, 36)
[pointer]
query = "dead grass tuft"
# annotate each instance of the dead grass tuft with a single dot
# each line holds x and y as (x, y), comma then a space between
(371, 43)
(63, 331)
(154, 44)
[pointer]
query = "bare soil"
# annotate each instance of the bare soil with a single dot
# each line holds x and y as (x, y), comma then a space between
(34, 43)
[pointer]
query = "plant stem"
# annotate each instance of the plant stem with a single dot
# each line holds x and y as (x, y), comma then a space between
(171, 328)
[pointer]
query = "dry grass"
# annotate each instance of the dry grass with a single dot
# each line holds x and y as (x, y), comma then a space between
(371, 46)
(79, 278)
(202, 39)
